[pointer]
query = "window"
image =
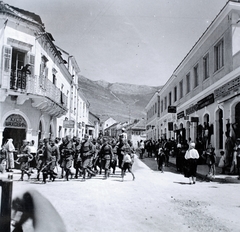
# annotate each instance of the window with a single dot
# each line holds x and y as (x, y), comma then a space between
(32, 63)
(188, 82)
(54, 72)
(170, 98)
(195, 70)
(175, 93)
(181, 89)
(206, 67)
(165, 103)
(161, 106)
(218, 56)
(7, 59)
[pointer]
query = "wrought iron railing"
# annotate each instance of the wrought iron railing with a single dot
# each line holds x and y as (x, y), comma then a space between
(38, 85)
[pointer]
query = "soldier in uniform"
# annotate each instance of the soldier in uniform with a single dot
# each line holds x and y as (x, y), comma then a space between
(77, 164)
(120, 144)
(106, 155)
(39, 157)
(113, 164)
(54, 160)
(67, 150)
(87, 152)
(24, 158)
(47, 159)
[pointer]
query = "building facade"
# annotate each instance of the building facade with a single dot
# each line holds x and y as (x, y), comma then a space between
(201, 100)
(153, 113)
(38, 86)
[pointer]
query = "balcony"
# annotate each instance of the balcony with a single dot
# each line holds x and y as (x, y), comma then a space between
(44, 95)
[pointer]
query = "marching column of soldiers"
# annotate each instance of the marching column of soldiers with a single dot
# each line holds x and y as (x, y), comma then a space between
(87, 158)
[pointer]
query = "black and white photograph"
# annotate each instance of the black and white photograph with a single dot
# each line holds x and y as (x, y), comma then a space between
(119, 115)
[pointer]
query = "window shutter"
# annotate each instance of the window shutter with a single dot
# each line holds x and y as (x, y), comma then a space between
(31, 61)
(6, 67)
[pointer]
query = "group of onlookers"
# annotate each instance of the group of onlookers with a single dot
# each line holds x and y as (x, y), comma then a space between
(163, 148)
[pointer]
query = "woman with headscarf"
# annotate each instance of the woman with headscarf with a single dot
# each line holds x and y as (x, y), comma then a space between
(10, 158)
(191, 158)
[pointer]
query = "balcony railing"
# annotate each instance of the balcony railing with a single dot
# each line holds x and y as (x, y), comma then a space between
(38, 85)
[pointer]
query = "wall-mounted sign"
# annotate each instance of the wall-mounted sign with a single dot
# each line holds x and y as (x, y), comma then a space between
(194, 119)
(68, 123)
(206, 101)
(172, 109)
(227, 88)
(191, 109)
(180, 115)
(15, 121)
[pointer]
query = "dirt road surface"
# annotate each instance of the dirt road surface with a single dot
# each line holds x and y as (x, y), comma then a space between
(155, 201)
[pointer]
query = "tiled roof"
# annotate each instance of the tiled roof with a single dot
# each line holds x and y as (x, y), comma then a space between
(14, 10)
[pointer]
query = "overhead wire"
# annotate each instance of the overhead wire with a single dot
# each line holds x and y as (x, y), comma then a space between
(100, 14)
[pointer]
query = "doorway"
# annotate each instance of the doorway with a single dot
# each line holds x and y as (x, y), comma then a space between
(18, 135)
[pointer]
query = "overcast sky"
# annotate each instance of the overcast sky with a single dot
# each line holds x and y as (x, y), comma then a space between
(129, 41)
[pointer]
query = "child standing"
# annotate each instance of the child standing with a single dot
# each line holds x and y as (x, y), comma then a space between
(211, 160)
(222, 162)
(128, 160)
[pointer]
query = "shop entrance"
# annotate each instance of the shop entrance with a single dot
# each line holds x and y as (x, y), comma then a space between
(15, 127)
(236, 125)
(18, 135)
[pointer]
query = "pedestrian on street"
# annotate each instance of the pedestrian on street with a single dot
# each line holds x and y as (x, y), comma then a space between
(106, 155)
(142, 149)
(24, 157)
(3, 157)
(77, 164)
(55, 156)
(191, 158)
(67, 150)
(222, 162)
(211, 160)
(10, 159)
(161, 160)
(87, 151)
(128, 159)
(39, 158)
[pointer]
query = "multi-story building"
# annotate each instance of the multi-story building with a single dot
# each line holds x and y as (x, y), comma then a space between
(201, 98)
(93, 125)
(153, 113)
(38, 87)
(136, 132)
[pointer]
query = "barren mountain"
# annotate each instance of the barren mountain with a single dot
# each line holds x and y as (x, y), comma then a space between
(117, 100)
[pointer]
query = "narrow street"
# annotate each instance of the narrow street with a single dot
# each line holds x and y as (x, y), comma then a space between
(155, 201)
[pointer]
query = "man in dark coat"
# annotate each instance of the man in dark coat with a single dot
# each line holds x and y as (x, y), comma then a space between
(87, 151)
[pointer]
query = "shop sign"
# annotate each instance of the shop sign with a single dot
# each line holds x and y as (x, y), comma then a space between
(227, 88)
(180, 115)
(206, 101)
(192, 109)
(68, 123)
(172, 109)
(194, 119)
(15, 121)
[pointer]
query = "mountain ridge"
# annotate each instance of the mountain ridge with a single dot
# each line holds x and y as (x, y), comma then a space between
(121, 101)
